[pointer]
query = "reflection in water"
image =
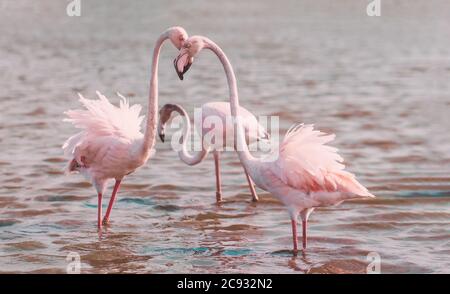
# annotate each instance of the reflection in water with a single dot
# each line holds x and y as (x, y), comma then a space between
(381, 84)
(300, 263)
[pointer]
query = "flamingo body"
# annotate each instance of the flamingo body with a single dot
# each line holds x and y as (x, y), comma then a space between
(307, 173)
(108, 147)
(220, 112)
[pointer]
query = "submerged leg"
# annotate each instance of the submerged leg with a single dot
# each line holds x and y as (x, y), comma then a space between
(251, 186)
(294, 235)
(111, 201)
(218, 180)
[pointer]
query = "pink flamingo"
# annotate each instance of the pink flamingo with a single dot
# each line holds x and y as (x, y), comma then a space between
(303, 173)
(111, 144)
(221, 110)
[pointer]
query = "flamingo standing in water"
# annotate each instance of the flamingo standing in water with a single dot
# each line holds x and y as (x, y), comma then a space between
(303, 173)
(221, 111)
(111, 144)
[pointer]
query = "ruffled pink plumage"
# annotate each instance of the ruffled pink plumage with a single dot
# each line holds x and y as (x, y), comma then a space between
(108, 132)
(305, 163)
(101, 118)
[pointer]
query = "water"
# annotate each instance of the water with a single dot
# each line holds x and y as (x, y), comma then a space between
(380, 83)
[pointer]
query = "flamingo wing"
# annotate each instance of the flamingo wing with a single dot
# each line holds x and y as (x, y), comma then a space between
(306, 163)
(101, 120)
(104, 119)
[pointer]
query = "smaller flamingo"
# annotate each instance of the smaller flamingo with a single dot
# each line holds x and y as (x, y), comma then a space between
(220, 110)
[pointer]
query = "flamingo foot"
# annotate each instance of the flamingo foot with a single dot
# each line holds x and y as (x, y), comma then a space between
(106, 221)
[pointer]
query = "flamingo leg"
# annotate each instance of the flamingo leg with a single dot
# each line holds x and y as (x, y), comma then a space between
(111, 202)
(251, 186)
(294, 235)
(218, 179)
(304, 237)
(99, 211)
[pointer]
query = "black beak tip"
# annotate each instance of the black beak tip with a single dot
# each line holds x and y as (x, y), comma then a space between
(180, 74)
(161, 136)
(185, 69)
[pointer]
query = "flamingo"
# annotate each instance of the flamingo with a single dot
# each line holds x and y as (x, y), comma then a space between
(111, 144)
(303, 173)
(220, 110)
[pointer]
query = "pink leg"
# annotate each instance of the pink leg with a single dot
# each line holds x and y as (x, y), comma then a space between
(294, 235)
(304, 224)
(251, 186)
(111, 202)
(218, 180)
(99, 211)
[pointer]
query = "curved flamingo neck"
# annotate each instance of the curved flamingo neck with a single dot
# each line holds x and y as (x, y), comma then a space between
(185, 156)
(241, 146)
(152, 113)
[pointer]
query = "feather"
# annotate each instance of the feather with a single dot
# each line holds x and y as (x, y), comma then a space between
(104, 119)
(101, 119)
(306, 163)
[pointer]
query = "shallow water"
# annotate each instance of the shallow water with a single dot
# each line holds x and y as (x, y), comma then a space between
(380, 83)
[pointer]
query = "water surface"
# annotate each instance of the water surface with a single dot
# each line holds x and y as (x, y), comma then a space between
(380, 83)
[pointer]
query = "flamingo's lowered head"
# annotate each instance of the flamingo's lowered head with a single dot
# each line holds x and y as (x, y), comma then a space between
(164, 115)
(190, 49)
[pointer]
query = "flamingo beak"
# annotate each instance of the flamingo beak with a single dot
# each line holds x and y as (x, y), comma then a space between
(161, 132)
(182, 63)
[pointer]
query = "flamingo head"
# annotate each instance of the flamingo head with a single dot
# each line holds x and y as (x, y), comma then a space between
(191, 47)
(177, 36)
(164, 115)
